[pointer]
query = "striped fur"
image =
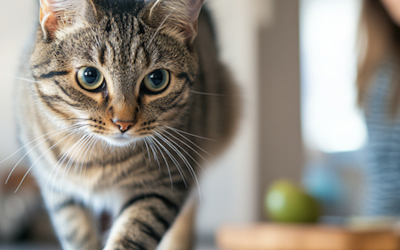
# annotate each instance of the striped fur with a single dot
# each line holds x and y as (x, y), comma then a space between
(83, 163)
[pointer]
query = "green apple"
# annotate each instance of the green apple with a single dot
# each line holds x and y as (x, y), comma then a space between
(286, 202)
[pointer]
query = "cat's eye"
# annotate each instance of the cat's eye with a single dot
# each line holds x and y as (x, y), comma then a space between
(90, 79)
(156, 81)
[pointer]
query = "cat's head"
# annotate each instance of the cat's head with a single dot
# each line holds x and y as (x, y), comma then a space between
(121, 69)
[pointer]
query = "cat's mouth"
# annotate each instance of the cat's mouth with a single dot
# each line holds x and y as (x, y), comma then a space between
(120, 140)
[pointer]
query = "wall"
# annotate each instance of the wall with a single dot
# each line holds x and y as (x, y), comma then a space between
(230, 187)
(280, 143)
(16, 26)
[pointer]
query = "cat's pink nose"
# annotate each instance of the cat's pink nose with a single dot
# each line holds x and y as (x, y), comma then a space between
(123, 126)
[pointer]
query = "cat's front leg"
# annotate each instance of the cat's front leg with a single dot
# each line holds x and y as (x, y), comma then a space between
(143, 222)
(73, 224)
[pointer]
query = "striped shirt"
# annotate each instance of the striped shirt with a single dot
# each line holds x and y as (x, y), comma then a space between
(382, 158)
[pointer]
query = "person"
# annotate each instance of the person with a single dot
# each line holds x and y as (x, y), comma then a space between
(378, 85)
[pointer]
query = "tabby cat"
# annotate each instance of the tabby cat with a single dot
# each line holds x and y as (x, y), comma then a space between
(127, 100)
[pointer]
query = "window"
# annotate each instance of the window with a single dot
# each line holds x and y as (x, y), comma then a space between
(331, 120)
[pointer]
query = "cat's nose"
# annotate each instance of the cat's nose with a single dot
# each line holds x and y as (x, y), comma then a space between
(123, 126)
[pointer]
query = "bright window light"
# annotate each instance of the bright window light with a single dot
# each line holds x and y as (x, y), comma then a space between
(331, 119)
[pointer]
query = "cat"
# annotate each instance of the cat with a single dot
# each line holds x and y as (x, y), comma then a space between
(127, 101)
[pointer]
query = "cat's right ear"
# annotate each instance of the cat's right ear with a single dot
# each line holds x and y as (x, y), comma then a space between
(59, 14)
(177, 17)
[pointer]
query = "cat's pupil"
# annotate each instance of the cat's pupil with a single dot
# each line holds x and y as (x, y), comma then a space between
(90, 75)
(157, 77)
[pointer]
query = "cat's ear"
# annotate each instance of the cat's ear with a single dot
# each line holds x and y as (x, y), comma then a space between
(194, 11)
(58, 14)
(176, 16)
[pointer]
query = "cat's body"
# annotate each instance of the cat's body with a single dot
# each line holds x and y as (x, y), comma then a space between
(125, 147)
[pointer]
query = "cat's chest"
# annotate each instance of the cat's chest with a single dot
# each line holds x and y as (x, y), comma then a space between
(100, 186)
(109, 200)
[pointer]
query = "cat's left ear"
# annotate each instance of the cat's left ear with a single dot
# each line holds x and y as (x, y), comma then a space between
(59, 14)
(178, 17)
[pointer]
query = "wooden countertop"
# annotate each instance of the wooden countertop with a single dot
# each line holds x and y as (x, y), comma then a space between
(268, 236)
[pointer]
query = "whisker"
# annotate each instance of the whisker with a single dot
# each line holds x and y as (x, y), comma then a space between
(97, 139)
(187, 146)
(191, 157)
(87, 147)
(15, 166)
(187, 133)
(166, 163)
(59, 163)
(148, 153)
(23, 79)
(158, 29)
(152, 7)
(86, 143)
(194, 144)
(207, 94)
(153, 150)
(78, 119)
(177, 165)
(75, 150)
(91, 151)
(58, 169)
(169, 144)
(29, 143)
(187, 163)
(27, 172)
(71, 160)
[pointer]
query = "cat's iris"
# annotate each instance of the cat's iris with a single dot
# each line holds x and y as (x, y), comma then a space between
(157, 80)
(90, 78)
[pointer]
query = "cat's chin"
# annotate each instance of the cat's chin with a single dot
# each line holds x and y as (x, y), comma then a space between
(120, 140)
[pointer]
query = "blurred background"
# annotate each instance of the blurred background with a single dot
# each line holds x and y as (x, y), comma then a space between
(295, 61)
